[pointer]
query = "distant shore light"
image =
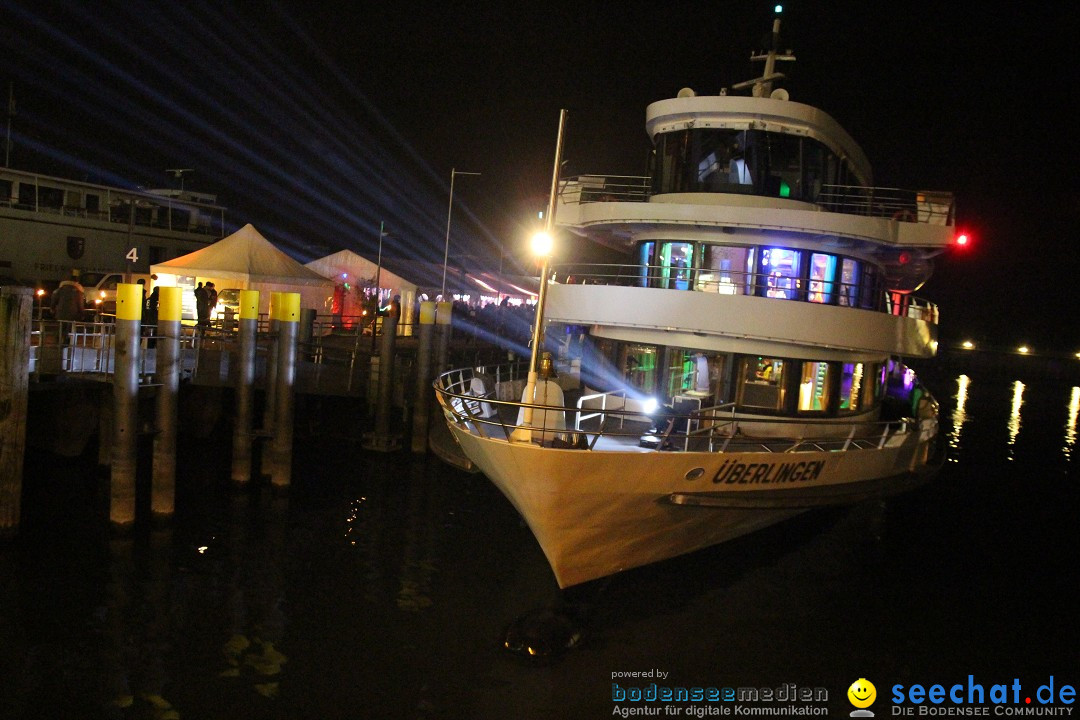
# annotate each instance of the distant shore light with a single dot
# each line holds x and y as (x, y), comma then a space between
(968, 345)
(1023, 349)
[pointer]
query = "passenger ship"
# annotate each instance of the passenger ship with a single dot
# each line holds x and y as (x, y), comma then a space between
(767, 304)
(51, 226)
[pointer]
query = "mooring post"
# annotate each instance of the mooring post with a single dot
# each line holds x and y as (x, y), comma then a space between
(167, 368)
(245, 381)
(381, 439)
(16, 306)
(127, 356)
(443, 321)
(422, 401)
(270, 410)
(288, 317)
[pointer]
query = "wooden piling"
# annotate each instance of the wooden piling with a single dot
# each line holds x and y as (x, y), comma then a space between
(288, 317)
(167, 371)
(422, 402)
(245, 381)
(443, 324)
(381, 439)
(126, 362)
(16, 305)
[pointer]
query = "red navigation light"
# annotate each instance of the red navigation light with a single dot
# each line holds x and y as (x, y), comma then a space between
(963, 239)
(905, 258)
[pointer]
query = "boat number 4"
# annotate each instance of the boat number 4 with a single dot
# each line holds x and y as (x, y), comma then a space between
(133, 255)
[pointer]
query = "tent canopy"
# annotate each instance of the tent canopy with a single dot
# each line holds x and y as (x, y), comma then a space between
(246, 256)
(348, 266)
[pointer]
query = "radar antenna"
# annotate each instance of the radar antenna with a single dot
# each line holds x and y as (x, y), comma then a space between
(178, 173)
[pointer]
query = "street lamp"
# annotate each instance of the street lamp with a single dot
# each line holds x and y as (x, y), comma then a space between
(449, 212)
(542, 245)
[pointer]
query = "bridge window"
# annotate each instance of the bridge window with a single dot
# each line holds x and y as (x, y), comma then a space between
(756, 162)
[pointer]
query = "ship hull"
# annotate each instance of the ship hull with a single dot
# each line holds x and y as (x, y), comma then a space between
(597, 513)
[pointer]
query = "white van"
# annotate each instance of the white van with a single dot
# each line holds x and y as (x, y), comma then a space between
(100, 295)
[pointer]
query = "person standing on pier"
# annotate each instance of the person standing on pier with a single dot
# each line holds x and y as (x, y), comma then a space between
(150, 315)
(67, 301)
(202, 307)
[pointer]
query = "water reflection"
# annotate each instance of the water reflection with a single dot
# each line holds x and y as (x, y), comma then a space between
(959, 414)
(1014, 415)
(1070, 424)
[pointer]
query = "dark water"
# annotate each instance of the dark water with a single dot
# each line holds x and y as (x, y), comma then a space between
(380, 587)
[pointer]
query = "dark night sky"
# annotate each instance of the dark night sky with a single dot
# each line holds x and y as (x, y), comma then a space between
(315, 121)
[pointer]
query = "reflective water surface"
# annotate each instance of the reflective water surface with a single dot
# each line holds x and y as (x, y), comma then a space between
(380, 587)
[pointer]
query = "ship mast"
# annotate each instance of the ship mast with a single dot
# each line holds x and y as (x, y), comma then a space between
(762, 86)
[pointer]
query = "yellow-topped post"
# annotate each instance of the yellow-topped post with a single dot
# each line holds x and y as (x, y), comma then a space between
(245, 383)
(286, 311)
(127, 357)
(270, 408)
(444, 318)
(167, 370)
(422, 402)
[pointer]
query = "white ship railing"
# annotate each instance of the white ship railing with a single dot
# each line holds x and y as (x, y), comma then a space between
(934, 207)
(478, 410)
(736, 282)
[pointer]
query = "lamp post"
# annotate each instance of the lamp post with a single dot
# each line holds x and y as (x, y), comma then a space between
(449, 211)
(542, 246)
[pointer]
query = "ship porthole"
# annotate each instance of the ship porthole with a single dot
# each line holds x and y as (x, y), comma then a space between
(695, 473)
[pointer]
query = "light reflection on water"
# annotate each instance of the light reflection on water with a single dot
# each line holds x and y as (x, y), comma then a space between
(1070, 423)
(1014, 415)
(959, 414)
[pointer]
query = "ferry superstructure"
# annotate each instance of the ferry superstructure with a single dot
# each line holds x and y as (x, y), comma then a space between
(51, 226)
(767, 304)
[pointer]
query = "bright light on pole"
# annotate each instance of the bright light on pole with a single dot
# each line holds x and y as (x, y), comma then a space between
(542, 244)
(449, 211)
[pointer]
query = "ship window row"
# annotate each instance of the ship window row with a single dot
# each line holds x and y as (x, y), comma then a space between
(757, 384)
(749, 162)
(75, 203)
(765, 271)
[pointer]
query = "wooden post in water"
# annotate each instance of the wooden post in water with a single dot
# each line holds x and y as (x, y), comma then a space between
(270, 410)
(245, 382)
(167, 368)
(381, 439)
(16, 304)
(288, 317)
(127, 356)
(422, 401)
(443, 322)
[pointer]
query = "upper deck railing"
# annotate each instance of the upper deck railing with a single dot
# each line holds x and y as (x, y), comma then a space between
(921, 206)
(731, 282)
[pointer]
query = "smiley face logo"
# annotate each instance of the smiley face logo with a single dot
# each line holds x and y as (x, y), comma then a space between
(862, 693)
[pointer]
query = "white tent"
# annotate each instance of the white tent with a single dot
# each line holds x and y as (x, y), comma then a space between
(246, 260)
(357, 274)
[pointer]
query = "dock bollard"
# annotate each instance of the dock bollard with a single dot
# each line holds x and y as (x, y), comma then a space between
(287, 313)
(422, 401)
(16, 305)
(270, 410)
(381, 439)
(245, 382)
(127, 357)
(443, 322)
(167, 369)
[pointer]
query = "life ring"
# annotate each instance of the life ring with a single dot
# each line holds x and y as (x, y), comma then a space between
(904, 215)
